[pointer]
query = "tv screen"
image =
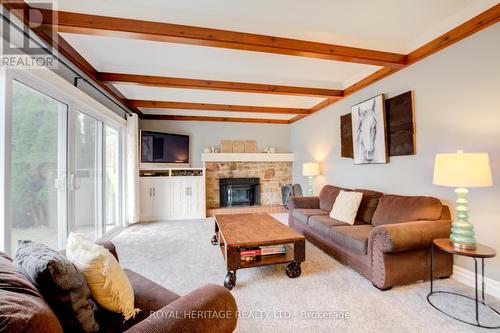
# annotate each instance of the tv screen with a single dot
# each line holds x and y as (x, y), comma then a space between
(159, 147)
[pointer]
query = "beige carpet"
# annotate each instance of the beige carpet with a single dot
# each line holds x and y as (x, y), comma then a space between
(179, 256)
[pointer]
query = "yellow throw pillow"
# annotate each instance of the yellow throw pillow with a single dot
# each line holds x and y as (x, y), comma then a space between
(108, 283)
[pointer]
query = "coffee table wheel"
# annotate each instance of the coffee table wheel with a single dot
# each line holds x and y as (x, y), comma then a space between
(230, 280)
(293, 270)
(214, 240)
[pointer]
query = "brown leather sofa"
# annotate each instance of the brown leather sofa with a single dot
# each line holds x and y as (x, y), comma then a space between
(210, 308)
(390, 239)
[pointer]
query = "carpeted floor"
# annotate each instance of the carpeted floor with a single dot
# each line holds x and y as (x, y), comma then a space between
(179, 256)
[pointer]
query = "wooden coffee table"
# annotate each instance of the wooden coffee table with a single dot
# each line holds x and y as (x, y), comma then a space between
(233, 232)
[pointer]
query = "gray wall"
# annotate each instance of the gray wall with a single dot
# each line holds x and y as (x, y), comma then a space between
(457, 106)
(206, 134)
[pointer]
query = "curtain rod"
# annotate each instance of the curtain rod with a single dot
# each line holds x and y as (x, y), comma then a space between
(78, 76)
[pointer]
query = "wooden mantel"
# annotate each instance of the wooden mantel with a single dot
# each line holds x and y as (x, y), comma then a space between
(247, 157)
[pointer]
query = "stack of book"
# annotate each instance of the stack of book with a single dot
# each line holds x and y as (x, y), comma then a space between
(251, 253)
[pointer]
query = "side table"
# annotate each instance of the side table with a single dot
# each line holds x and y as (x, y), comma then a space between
(481, 252)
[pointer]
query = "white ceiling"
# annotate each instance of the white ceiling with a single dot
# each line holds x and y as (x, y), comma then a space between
(388, 25)
(215, 97)
(108, 54)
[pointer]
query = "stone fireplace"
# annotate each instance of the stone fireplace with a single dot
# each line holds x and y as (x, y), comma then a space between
(271, 174)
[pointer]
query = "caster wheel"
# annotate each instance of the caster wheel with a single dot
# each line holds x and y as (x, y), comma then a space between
(293, 270)
(214, 240)
(230, 280)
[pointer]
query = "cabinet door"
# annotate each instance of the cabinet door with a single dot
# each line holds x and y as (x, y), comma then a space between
(162, 198)
(196, 199)
(146, 198)
(179, 198)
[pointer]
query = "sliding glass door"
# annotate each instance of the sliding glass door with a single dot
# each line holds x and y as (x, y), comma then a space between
(37, 188)
(64, 170)
(84, 174)
(112, 179)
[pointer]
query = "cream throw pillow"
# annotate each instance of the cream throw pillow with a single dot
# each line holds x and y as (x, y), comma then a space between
(346, 206)
(108, 283)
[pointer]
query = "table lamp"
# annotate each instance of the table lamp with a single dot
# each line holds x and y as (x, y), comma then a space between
(462, 170)
(310, 170)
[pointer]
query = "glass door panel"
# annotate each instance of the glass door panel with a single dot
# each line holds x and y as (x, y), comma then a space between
(37, 190)
(83, 179)
(112, 178)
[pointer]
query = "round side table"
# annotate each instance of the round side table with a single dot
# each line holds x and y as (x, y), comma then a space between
(481, 252)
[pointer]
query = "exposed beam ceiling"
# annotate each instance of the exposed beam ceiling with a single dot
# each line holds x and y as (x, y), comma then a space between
(165, 32)
(212, 107)
(173, 33)
(172, 82)
(477, 23)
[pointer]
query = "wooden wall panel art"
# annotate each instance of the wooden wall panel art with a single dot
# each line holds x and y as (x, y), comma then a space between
(400, 119)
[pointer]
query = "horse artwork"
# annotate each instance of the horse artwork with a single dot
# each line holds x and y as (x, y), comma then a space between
(369, 131)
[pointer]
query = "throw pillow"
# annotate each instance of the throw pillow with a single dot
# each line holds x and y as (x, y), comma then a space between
(60, 283)
(108, 283)
(346, 206)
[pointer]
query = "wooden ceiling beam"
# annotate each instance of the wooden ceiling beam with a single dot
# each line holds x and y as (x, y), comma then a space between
(87, 24)
(212, 107)
(173, 82)
(220, 119)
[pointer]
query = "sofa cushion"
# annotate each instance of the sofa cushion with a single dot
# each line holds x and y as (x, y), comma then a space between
(398, 209)
(352, 238)
(303, 214)
(323, 223)
(368, 205)
(346, 206)
(60, 283)
(22, 308)
(108, 283)
(327, 197)
(148, 296)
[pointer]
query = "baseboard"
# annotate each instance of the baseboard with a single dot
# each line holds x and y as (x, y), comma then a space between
(492, 287)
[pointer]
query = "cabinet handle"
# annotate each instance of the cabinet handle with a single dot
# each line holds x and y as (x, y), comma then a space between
(154, 191)
(150, 193)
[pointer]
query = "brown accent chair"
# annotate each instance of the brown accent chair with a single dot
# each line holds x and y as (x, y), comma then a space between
(210, 308)
(390, 240)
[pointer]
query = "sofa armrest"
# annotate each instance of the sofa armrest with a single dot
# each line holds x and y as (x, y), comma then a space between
(210, 308)
(303, 202)
(108, 245)
(406, 236)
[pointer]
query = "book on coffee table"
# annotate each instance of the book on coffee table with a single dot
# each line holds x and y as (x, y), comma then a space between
(263, 250)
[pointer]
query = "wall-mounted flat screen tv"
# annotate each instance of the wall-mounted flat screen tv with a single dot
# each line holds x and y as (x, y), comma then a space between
(159, 147)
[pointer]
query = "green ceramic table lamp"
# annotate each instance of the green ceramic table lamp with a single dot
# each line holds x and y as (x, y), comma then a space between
(309, 170)
(462, 170)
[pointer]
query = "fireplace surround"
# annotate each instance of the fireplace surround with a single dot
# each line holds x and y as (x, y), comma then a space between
(239, 192)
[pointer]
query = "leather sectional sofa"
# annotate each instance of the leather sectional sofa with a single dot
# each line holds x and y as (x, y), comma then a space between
(210, 308)
(390, 240)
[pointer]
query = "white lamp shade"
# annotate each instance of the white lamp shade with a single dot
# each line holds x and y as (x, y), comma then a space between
(462, 170)
(310, 169)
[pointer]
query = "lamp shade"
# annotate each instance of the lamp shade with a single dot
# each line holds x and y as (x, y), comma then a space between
(310, 169)
(462, 170)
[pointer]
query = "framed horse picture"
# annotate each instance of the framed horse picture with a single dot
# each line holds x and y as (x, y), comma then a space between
(369, 131)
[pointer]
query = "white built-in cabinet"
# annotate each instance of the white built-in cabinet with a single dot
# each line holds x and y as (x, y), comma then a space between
(170, 197)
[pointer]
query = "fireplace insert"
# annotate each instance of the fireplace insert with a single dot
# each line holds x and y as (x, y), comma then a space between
(239, 191)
